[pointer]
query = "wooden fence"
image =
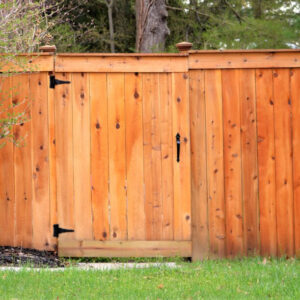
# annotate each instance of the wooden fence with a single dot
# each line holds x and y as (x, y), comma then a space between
(101, 155)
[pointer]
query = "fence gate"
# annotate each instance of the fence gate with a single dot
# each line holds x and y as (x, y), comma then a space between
(123, 156)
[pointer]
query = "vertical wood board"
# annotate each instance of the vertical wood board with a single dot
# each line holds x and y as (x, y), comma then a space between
(232, 162)
(42, 231)
(215, 163)
(81, 156)
(283, 162)
(200, 239)
(99, 155)
(266, 162)
(134, 156)
(117, 156)
(182, 172)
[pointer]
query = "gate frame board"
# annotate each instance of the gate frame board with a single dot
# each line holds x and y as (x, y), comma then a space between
(78, 248)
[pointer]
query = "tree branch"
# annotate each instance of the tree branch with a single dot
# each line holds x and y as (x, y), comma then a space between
(240, 19)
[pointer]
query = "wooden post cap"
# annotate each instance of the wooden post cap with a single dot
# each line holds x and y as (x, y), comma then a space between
(184, 46)
(48, 49)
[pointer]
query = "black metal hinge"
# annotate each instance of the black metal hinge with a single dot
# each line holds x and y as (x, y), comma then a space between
(54, 82)
(58, 230)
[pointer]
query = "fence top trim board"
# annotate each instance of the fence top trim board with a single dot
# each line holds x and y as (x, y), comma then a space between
(121, 63)
(243, 51)
(122, 54)
(244, 60)
(160, 62)
(41, 62)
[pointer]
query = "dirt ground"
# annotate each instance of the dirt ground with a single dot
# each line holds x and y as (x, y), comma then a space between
(15, 256)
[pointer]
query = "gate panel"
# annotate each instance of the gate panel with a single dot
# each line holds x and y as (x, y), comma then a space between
(117, 174)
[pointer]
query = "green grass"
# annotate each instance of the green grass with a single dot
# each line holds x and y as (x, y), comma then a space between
(219, 279)
(74, 261)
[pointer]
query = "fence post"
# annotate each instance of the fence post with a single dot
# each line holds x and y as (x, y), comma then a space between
(51, 49)
(48, 49)
(184, 47)
(199, 233)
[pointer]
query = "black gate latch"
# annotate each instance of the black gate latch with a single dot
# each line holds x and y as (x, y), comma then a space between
(58, 230)
(54, 81)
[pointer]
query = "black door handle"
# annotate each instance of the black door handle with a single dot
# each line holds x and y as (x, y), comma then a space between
(178, 146)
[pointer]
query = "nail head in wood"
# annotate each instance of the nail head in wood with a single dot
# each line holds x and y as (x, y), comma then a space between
(48, 49)
(184, 46)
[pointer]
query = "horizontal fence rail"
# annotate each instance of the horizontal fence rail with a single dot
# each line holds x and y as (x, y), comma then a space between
(99, 154)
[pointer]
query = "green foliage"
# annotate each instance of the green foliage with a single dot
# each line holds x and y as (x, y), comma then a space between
(208, 24)
(235, 24)
(24, 25)
(88, 31)
(251, 34)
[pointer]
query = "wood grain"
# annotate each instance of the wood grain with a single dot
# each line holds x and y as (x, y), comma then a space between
(23, 163)
(215, 163)
(166, 139)
(295, 96)
(266, 162)
(52, 162)
(134, 156)
(200, 235)
(283, 161)
(232, 162)
(152, 157)
(99, 155)
(7, 193)
(64, 155)
(119, 63)
(124, 248)
(182, 171)
(28, 63)
(81, 156)
(249, 161)
(117, 156)
(241, 60)
(42, 231)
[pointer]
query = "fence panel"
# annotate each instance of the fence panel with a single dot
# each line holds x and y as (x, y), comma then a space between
(100, 155)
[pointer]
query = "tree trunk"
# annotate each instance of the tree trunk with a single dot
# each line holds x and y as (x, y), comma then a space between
(110, 4)
(257, 9)
(151, 25)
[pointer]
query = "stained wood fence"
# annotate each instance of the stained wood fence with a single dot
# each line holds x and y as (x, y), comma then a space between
(101, 155)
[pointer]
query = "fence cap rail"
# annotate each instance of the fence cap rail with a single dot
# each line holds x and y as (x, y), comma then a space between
(158, 63)
(242, 51)
(121, 54)
(26, 62)
(244, 59)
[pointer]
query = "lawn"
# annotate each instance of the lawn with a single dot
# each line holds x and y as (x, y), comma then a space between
(227, 279)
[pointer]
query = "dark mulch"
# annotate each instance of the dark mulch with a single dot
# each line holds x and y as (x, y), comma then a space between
(15, 256)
